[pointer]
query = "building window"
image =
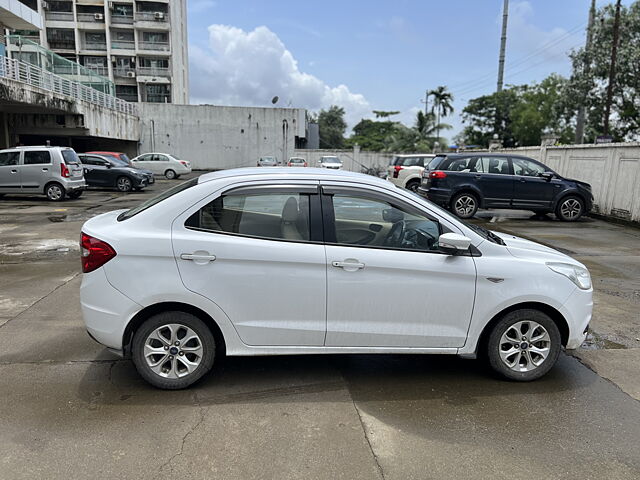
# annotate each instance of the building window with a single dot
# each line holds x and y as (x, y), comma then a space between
(61, 38)
(128, 93)
(158, 93)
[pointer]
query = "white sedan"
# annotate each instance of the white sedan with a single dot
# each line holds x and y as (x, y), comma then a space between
(162, 164)
(287, 261)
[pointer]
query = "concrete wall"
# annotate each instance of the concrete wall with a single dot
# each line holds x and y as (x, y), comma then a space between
(613, 171)
(215, 137)
(353, 160)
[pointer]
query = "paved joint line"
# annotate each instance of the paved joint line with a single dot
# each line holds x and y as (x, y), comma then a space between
(66, 362)
(40, 299)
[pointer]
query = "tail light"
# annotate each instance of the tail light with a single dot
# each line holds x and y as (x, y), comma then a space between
(183, 163)
(438, 174)
(95, 252)
(305, 164)
(396, 170)
(64, 171)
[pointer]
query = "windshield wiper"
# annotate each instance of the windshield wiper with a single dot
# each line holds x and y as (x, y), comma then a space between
(488, 234)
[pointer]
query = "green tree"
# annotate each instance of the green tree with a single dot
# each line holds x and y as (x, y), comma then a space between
(331, 127)
(371, 135)
(590, 77)
(385, 113)
(442, 105)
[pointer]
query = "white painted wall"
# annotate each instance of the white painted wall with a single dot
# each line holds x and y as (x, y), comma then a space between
(613, 171)
(214, 137)
(353, 160)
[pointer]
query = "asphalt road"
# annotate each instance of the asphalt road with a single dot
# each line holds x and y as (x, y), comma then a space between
(69, 409)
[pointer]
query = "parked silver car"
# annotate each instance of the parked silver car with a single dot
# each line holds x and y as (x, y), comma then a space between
(53, 171)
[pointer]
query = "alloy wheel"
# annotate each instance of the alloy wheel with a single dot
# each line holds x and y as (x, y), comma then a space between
(524, 346)
(124, 184)
(465, 205)
(173, 351)
(54, 192)
(571, 208)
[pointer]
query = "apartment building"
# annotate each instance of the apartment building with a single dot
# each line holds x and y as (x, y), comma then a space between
(139, 45)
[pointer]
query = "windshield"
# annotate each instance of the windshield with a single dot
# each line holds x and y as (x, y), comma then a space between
(330, 160)
(157, 199)
(124, 158)
(116, 161)
(70, 157)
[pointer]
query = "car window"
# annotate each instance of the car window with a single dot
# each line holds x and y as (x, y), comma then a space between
(124, 158)
(9, 158)
(526, 168)
(70, 157)
(412, 162)
(37, 157)
(465, 164)
(496, 165)
(157, 199)
(283, 216)
(372, 222)
(435, 162)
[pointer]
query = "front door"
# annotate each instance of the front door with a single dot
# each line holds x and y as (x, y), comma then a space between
(387, 283)
(36, 170)
(532, 191)
(255, 254)
(96, 172)
(9, 172)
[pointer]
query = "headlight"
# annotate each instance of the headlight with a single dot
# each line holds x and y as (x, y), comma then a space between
(578, 275)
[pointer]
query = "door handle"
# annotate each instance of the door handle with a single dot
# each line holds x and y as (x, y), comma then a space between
(199, 258)
(45, 169)
(14, 171)
(478, 177)
(349, 266)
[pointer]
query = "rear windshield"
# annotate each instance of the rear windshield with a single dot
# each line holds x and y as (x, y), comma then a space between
(434, 164)
(70, 157)
(157, 199)
(123, 157)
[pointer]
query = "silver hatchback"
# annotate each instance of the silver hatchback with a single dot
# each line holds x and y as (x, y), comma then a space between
(53, 171)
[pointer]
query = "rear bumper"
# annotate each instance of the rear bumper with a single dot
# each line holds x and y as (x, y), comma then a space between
(74, 185)
(436, 195)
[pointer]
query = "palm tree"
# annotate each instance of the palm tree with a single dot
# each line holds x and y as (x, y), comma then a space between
(442, 104)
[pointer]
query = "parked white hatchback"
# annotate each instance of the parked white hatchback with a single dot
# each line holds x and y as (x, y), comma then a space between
(287, 261)
(162, 164)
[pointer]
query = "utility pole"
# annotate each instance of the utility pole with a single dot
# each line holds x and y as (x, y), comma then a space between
(426, 103)
(612, 68)
(585, 73)
(503, 44)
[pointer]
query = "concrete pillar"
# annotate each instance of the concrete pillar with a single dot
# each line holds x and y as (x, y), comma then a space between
(4, 133)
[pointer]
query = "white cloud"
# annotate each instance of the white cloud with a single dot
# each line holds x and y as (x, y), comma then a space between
(250, 68)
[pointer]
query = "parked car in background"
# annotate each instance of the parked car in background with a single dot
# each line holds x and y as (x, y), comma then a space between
(162, 164)
(465, 182)
(258, 262)
(330, 161)
(117, 155)
(267, 162)
(405, 171)
(53, 171)
(297, 162)
(107, 172)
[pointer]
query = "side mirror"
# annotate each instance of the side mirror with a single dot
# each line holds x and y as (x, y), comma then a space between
(452, 243)
(107, 164)
(547, 176)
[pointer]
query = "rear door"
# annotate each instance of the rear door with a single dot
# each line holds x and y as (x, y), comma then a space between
(532, 191)
(36, 170)
(9, 172)
(494, 178)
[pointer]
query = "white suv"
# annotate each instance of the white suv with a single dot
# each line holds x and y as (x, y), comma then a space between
(405, 171)
(53, 171)
(285, 261)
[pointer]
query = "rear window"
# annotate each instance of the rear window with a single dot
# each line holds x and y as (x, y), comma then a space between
(123, 157)
(70, 157)
(436, 162)
(157, 199)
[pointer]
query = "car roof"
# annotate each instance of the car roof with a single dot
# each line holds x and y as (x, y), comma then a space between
(284, 173)
(411, 155)
(35, 147)
(484, 154)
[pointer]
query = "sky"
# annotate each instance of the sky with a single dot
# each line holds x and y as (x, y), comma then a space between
(373, 55)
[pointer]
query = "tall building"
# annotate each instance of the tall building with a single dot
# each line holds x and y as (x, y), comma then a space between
(17, 15)
(139, 45)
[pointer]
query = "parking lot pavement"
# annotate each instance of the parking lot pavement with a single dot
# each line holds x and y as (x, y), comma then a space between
(69, 409)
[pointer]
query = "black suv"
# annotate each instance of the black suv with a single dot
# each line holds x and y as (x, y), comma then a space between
(465, 182)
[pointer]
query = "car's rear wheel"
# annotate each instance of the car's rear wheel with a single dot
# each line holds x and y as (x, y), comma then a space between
(413, 185)
(570, 208)
(170, 174)
(55, 192)
(465, 205)
(124, 184)
(172, 350)
(523, 345)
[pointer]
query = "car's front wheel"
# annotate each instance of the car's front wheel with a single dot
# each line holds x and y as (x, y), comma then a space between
(570, 209)
(172, 350)
(124, 184)
(523, 345)
(464, 205)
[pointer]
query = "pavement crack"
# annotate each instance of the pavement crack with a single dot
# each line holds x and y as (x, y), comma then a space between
(203, 414)
(366, 437)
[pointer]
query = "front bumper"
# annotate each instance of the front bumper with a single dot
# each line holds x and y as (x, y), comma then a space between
(577, 311)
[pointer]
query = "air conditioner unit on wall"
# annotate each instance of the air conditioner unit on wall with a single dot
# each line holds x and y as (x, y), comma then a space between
(131, 74)
(98, 16)
(158, 15)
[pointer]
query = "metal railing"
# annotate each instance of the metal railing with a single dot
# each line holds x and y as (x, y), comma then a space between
(156, 46)
(99, 69)
(62, 44)
(37, 77)
(59, 16)
(152, 16)
(91, 17)
(123, 45)
(154, 71)
(86, 45)
(121, 18)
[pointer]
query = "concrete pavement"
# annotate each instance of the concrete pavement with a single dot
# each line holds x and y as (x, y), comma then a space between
(69, 409)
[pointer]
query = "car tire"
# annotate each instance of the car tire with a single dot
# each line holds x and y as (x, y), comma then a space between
(176, 177)
(55, 192)
(513, 351)
(76, 194)
(570, 208)
(464, 205)
(170, 174)
(124, 184)
(167, 368)
(413, 185)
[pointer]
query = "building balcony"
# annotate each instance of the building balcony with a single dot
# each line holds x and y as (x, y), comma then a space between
(122, 19)
(127, 97)
(98, 69)
(123, 45)
(62, 44)
(58, 16)
(97, 46)
(152, 17)
(158, 98)
(91, 17)
(154, 46)
(124, 72)
(153, 72)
